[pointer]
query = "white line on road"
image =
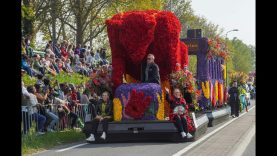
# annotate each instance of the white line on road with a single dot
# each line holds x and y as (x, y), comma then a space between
(184, 150)
(65, 149)
(242, 146)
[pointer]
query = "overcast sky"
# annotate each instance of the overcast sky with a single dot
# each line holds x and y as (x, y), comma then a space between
(230, 14)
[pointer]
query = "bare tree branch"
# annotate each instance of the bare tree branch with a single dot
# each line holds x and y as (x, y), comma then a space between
(93, 18)
(96, 33)
(65, 22)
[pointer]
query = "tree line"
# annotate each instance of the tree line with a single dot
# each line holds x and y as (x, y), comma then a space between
(83, 22)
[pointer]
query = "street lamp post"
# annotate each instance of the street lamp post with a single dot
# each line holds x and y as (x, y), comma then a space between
(226, 48)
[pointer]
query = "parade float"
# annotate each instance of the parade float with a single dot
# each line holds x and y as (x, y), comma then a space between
(211, 55)
(140, 109)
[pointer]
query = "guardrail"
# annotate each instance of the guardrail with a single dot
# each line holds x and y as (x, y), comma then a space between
(75, 118)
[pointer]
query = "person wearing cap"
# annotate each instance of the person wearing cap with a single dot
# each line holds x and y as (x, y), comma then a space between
(234, 101)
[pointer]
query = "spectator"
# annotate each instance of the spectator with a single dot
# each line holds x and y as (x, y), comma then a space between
(72, 103)
(25, 66)
(82, 53)
(64, 53)
(77, 50)
(234, 100)
(90, 58)
(49, 46)
(84, 98)
(37, 64)
(70, 52)
(25, 110)
(49, 49)
(68, 66)
(40, 80)
(102, 112)
(97, 56)
(42, 97)
(178, 107)
(39, 118)
(29, 49)
(55, 65)
(57, 50)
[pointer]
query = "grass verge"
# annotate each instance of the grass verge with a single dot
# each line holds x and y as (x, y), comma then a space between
(33, 143)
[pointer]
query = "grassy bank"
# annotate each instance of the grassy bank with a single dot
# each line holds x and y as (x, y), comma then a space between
(32, 143)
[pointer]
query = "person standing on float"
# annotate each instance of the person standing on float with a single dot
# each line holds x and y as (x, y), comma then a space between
(150, 71)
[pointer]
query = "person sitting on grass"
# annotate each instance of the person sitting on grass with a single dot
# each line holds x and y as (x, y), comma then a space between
(101, 112)
(177, 104)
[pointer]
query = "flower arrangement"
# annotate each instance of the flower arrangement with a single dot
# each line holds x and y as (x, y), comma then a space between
(217, 48)
(214, 94)
(160, 113)
(139, 100)
(216, 91)
(117, 109)
(100, 81)
(220, 93)
(137, 104)
(206, 89)
(184, 80)
(240, 77)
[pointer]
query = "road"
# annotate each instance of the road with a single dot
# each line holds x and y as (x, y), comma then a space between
(234, 137)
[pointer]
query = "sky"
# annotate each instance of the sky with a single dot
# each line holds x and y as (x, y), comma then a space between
(230, 14)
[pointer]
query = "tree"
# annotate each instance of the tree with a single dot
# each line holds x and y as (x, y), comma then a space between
(33, 16)
(86, 12)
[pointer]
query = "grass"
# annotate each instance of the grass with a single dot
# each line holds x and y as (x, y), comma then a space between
(32, 143)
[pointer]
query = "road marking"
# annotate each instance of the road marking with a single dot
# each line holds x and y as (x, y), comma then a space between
(184, 150)
(241, 147)
(65, 149)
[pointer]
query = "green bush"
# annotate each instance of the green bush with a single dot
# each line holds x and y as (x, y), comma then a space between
(73, 78)
(28, 81)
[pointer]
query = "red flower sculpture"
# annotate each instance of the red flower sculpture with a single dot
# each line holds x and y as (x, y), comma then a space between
(133, 35)
(137, 104)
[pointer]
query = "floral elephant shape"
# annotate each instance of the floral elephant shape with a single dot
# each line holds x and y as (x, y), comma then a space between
(133, 35)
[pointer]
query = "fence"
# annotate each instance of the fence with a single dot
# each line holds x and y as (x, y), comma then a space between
(76, 118)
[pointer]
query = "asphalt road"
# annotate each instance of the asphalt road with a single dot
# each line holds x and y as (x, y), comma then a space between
(251, 148)
(143, 149)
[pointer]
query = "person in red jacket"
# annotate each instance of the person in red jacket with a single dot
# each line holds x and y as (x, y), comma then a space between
(178, 108)
(64, 53)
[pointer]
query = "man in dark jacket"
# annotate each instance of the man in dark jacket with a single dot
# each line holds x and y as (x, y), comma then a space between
(234, 100)
(150, 71)
(102, 112)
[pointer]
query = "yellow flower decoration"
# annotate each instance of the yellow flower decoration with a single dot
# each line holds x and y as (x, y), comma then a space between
(222, 92)
(117, 109)
(160, 112)
(216, 90)
(206, 89)
(166, 104)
